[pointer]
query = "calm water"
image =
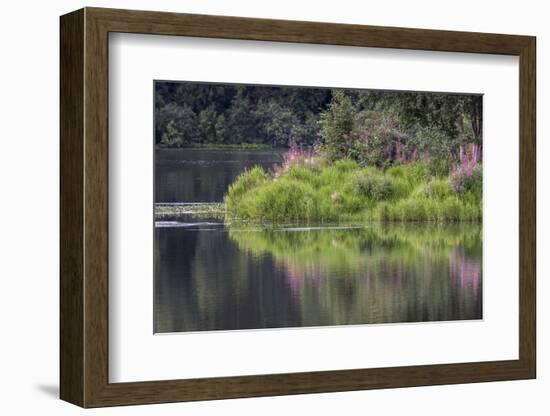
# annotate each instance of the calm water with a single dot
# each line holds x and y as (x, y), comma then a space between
(211, 277)
(203, 175)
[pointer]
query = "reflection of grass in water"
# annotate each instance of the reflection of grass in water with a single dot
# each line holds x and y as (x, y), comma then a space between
(345, 248)
(377, 274)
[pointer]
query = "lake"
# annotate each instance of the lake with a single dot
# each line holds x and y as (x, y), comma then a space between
(209, 276)
(203, 175)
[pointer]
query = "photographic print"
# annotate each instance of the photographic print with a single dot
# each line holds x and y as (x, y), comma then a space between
(295, 206)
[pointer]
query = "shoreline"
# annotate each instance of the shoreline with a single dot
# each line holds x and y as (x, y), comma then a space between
(202, 211)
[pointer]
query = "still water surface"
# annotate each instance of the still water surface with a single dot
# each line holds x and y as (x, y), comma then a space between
(203, 175)
(212, 277)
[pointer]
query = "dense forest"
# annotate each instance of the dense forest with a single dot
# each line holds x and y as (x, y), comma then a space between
(370, 126)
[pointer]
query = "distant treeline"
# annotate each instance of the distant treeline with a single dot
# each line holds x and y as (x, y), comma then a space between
(192, 113)
(372, 123)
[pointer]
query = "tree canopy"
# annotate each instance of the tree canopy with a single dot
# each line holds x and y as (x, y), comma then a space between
(370, 126)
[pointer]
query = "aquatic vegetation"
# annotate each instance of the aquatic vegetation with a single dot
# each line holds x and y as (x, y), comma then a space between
(343, 191)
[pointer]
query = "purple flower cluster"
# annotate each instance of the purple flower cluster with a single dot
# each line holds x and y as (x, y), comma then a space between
(462, 174)
(294, 156)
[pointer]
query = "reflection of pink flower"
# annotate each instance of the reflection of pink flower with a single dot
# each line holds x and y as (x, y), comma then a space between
(293, 280)
(299, 275)
(466, 272)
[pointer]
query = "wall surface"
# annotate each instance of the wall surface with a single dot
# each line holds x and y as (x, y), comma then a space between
(29, 213)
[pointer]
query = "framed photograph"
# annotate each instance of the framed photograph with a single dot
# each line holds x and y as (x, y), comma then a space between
(255, 207)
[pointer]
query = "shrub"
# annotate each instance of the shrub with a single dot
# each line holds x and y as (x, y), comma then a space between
(281, 202)
(379, 142)
(464, 181)
(413, 173)
(400, 188)
(466, 176)
(337, 125)
(304, 174)
(345, 165)
(183, 127)
(246, 181)
(439, 167)
(437, 189)
(375, 188)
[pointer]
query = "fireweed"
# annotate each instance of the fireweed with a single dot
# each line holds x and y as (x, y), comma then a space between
(296, 155)
(467, 174)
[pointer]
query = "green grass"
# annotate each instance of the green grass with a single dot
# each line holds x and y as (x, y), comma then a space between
(346, 192)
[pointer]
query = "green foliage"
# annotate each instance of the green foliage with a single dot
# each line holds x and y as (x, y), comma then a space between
(373, 187)
(245, 182)
(378, 128)
(239, 120)
(172, 137)
(413, 173)
(235, 114)
(379, 142)
(276, 122)
(345, 165)
(344, 192)
(337, 125)
(219, 129)
(374, 128)
(210, 130)
(465, 183)
(437, 189)
(439, 167)
(182, 127)
(437, 143)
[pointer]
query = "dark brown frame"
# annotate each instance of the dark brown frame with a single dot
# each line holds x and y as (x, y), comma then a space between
(84, 209)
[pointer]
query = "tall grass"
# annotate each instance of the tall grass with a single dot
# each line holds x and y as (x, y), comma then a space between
(344, 191)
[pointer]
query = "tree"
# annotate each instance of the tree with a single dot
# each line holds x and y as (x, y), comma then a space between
(307, 132)
(207, 123)
(172, 137)
(240, 121)
(220, 129)
(181, 126)
(474, 108)
(337, 126)
(275, 123)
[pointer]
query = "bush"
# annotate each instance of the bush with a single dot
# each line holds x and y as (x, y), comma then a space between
(437, 189)
(245, 182)
(463, 181)
(345, 165)
(183, 127)
(337, 125)
(375, 188)
(439, 167)
(413, 173)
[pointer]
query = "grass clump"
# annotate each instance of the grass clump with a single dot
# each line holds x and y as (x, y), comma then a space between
(346, 192)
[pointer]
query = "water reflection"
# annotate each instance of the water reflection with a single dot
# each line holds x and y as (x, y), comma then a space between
(203, 175)
(209, 277)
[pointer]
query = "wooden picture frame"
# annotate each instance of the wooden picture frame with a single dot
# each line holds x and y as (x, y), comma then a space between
(84, 207)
